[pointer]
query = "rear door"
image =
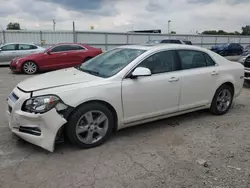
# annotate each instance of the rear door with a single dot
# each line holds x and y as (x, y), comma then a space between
(26, 49)
(8, 52)
(76, 55)
(199, 75)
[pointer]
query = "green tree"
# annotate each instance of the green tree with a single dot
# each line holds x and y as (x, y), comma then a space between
(246, 30)
(210, 32)
(13, 26)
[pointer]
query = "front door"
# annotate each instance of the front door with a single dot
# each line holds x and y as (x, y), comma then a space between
(57, 58)
(8, 52)
(199, 75)
(155, 95)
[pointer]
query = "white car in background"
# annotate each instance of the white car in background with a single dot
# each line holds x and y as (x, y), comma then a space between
(10, 51)
(122, 87)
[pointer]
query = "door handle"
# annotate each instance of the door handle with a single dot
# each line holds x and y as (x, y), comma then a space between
(64, 54)
(173, 79)
(214, 73)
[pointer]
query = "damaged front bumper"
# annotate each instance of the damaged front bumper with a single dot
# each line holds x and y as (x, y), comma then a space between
(38, 129)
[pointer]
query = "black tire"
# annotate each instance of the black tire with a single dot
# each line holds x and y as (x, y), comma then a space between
(72, 124)
(214, 106)
(30, 63)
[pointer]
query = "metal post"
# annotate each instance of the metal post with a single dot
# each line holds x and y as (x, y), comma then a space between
(41, 38)
(169, 21)
(228, 39)
(127, 38)
(149, 37)
(54, 25)
(106, 41)
(202, 41)
(4, 37)
(74, 33)
(216, 40)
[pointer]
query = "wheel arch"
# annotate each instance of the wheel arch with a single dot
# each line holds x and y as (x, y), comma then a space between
(108, 105)
(230, 84)
(38, 68)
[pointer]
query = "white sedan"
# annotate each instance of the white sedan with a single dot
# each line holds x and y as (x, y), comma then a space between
(125, 86)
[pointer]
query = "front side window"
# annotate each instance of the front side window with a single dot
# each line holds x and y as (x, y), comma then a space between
(9, 47)
(61, 48)
(192, 59)
(160, 62)
(111, 62)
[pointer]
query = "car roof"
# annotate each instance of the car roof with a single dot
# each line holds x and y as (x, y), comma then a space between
(163, 46)
(19, 43)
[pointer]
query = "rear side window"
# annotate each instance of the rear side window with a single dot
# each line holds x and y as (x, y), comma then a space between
(209, 60)
(191, 59)
(26, 47)
(187, 42)
(76, 47)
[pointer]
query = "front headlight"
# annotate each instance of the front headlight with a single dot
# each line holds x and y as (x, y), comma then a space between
(41, 104)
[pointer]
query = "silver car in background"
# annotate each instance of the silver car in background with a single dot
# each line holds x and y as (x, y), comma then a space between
(10, 51)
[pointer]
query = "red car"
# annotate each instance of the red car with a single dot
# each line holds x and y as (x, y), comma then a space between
(56, 57)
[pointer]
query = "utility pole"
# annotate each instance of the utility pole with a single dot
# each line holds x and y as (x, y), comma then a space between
(169, 21)
(74, 32)
(54, 25)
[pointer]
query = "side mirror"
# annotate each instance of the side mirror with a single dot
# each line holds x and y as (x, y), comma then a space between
(0, 49)
(48, 52)
(141, 71)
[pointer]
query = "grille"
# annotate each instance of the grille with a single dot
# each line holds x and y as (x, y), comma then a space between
(30, 130)
(247, 74)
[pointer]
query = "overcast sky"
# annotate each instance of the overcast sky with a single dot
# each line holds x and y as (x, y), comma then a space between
(187, 16)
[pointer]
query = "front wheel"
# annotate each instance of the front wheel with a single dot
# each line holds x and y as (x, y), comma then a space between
(90, 125)
(30, 67)
(222, 100)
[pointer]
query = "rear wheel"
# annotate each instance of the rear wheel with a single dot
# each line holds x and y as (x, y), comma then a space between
(90, 125)
(222, 100)
(30, 67)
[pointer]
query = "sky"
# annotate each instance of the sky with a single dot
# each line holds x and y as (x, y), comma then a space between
(187, 16)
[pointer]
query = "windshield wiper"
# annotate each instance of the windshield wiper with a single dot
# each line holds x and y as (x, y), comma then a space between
(90, 71)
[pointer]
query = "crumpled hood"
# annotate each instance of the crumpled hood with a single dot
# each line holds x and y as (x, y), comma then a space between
(56, 79)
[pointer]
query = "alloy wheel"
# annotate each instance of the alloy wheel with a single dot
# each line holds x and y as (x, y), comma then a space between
(92, 127)
(30, 68)
(224, 100)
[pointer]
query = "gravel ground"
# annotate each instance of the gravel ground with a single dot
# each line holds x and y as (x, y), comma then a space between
(193, 150)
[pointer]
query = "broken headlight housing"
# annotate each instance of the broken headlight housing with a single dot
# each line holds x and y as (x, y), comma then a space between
(41, 104)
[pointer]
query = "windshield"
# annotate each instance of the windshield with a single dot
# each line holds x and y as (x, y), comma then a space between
(153, 42)
(111, 62)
